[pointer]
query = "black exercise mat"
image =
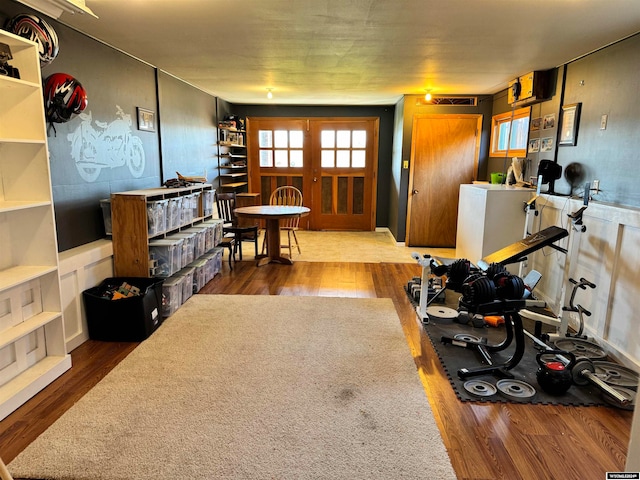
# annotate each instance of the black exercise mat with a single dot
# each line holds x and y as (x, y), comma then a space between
(454, 358)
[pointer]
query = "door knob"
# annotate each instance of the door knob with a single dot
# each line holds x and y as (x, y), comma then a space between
(315, 179)
(415, 192)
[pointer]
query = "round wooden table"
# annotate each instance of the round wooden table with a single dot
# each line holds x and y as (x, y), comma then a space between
(272, 214)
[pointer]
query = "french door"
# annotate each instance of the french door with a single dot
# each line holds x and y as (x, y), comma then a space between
(333, 161)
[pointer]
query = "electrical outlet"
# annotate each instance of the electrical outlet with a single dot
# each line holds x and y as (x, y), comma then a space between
(595, 186)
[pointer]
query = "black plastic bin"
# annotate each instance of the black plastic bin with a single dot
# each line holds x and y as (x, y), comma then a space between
(130, 319)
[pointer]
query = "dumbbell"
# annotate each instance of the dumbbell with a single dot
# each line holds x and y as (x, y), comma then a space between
(414, 287)
(583, 373)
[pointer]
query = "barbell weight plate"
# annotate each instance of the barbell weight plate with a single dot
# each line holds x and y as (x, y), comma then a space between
(515, 389)
(577, 370)
(466, 337)
(581, 348)
(614, 374)
(627, 393)
(441, 313)
(480, 388)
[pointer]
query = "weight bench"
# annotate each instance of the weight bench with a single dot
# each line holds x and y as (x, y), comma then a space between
(508, 307)
(518, 251)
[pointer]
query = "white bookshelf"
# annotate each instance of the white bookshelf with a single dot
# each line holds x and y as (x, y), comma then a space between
(32, 341)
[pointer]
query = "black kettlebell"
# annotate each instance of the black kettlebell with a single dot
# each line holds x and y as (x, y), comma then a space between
(554, 377)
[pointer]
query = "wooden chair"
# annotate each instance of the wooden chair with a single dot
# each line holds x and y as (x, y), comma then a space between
(291, 196)
(226, 203)
(4, 473)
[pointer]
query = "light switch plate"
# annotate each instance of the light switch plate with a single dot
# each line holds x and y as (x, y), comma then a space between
(603, 122)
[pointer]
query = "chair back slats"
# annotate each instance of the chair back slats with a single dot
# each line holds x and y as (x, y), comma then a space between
(226, 203)
(289, 196)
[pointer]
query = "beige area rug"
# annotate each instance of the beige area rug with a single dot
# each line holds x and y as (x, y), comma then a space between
(364, 247)
(253, 387)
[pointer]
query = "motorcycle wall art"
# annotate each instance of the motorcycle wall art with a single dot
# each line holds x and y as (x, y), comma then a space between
(96, 145)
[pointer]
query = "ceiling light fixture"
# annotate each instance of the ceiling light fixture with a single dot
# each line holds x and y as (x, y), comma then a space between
(427, 96)
(269, 94)
(55, 8)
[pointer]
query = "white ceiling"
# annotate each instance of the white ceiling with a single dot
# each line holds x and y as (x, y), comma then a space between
(355, 52)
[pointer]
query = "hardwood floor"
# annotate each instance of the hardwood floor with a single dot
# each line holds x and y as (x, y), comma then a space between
(484, 440)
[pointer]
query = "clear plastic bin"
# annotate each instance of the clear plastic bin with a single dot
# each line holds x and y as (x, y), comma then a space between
(199, 274)
(157, 216)
(214, 263)
(173, 213)
(187, 274)
(201, 240)
(208, 199)
(217, 224)
(188, 246)
(195, 204)
(209, 235)
(171, 295)
(165, 257)
(186, 212)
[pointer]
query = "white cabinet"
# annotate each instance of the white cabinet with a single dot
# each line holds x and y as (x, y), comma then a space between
(490, 217)
(32, 342)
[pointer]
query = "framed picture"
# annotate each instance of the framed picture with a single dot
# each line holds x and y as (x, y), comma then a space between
(146, 120)
(534, 145)
(549, 121)
(546, 144)
(535, 124)
(569, 124)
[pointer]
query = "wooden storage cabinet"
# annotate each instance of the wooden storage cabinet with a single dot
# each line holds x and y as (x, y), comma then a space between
(32, 341)
(131, 229)
(233, 174)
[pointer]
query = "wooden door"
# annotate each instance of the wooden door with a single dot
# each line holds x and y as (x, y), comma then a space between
(333, 161)
(278, 154)
(344, 167)
(444, 155)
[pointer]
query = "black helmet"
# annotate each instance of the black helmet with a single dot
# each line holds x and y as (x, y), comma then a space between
(37, 30)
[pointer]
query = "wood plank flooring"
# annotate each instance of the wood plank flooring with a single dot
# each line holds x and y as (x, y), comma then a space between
(484, 440)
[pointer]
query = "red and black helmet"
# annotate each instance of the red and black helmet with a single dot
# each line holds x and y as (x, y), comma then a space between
(64, 96)
(37, 30)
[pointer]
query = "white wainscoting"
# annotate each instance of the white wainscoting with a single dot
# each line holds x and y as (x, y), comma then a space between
(81, 268)
(609, 257)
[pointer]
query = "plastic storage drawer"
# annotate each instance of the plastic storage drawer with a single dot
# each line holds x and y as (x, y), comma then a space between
(187, 274)
(171, 295)
(165, 257)
(174, 209)
(157, 216)
(188, 246)
(199, 274)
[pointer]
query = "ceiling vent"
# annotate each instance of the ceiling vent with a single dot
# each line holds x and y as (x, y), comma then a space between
(450, 101)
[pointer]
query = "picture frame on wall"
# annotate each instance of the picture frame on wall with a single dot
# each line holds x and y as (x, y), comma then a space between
(535, 124)
(549, 121)
(546, 144)
(146, 120)
(569, 125)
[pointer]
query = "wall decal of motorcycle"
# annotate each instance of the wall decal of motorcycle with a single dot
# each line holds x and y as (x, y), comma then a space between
(107, 145)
